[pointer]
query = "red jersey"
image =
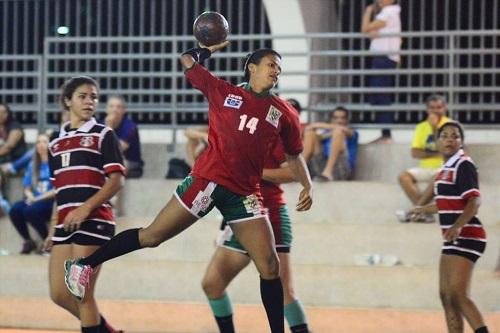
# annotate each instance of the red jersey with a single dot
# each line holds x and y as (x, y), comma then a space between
(272, 193)
(243, 127)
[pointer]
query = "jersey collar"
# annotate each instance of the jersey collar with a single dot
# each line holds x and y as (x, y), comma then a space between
(265, 93)
(454, 158)
(84, 128)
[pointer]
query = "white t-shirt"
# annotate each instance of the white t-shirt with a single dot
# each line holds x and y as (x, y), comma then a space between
(390, 15)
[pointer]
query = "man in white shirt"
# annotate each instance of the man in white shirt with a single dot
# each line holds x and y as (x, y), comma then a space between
(383, 17)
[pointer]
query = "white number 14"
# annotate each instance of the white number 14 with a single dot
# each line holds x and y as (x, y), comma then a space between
(251, 124)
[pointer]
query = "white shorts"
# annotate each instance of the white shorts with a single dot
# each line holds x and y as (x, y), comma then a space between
(423, 175)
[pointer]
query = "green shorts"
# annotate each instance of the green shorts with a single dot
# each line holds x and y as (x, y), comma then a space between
(282, 229)
(199, 196)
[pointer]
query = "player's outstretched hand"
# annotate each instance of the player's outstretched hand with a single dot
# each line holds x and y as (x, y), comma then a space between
(305, 200)
(216, 47)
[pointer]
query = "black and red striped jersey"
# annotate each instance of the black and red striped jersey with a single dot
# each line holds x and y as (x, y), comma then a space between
(80, 160)
(455, 184)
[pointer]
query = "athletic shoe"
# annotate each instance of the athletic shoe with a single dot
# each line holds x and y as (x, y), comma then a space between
(28, 247)
(403, 216)
(77, 277)
(424, 218)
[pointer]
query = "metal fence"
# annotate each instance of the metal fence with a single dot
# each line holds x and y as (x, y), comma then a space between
(463, 65)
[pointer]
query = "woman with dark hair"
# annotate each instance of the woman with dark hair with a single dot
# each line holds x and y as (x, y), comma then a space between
(457, 196)
(36, 208)
(12, 144)
(87, 170)
(244, 123)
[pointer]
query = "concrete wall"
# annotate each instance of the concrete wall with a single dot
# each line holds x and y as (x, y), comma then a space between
(375, 162)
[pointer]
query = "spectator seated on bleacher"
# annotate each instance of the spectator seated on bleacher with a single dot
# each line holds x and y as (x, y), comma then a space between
(424, 148)
(330, 148)
(12, 146)
(128, 135)
(36, 207)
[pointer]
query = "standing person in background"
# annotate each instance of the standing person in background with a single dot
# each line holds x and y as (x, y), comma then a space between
(244, 122)
(86, 170)
(456, 189)
(383, 17)
(128, 134)
(36, 208)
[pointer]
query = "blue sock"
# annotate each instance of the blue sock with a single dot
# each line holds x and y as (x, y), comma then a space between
(223, 313)
(295, 314)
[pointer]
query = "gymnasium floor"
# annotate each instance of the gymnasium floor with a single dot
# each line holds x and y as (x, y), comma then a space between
(323, 320)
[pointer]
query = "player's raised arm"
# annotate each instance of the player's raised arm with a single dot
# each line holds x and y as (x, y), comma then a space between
(298, 167)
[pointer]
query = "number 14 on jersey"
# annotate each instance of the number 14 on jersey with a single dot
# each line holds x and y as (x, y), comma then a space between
(251, 124)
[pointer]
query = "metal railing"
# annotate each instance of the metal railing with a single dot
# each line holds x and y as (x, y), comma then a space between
(463, 65)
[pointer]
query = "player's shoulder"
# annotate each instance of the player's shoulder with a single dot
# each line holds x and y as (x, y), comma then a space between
(284, 106)
(99, 128)
(466, 162)
(54, 135)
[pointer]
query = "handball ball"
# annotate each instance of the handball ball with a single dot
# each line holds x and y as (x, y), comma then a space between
(210, 28)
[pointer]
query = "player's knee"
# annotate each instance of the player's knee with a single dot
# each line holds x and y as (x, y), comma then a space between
(61, 298)
(150, 238)
(450, 297)
(211, 288)
(338, 134)
(270, 268)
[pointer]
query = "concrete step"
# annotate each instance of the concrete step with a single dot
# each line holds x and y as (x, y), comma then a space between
(317, 285)
(314, 243)
(336, 202)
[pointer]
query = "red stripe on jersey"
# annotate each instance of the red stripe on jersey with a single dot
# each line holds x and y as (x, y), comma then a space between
(78, 177)
(471, 193)
(101, 213)
(116, 167)
(450, 204)
(471, 232)
(88, 142)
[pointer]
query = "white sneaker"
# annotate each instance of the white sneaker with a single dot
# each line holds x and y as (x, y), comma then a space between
(403, 216)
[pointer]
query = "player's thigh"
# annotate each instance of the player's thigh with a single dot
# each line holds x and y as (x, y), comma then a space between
(256, 236)
(457, 271)
(192, 199)
(170, 221)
